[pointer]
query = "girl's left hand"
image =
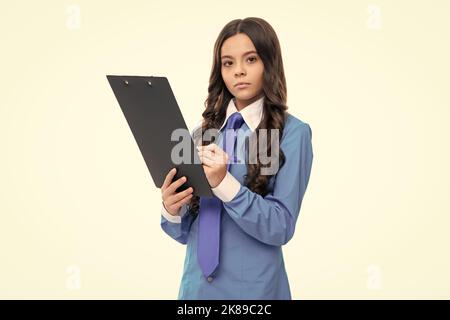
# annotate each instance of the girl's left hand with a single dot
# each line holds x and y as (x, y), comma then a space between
(214, 161)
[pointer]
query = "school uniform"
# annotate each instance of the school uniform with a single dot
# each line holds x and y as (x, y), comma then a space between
(252, 228)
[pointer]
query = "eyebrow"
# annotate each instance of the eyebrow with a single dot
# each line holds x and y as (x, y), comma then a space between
(227, 56)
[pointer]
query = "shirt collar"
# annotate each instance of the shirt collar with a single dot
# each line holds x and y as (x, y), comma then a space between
(252, 113)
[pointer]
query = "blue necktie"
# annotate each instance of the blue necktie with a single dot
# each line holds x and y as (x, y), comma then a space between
(210, 208)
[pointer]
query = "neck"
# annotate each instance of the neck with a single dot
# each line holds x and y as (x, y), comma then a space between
(241, 104)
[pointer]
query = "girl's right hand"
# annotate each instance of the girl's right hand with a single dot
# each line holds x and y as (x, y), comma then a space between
(172, 200)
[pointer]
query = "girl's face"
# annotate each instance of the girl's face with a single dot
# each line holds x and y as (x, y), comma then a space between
(241, 63)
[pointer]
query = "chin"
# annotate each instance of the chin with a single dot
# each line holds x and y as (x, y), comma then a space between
(244, 95)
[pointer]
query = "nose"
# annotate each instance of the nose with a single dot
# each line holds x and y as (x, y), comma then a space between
(239, 70)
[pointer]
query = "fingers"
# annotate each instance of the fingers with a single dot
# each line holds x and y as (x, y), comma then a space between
(180, 196)
(213, 147)
(168, 178)
(172, 199)
(207, 154)
(208, 162)
(210, 158)
(175, 185)
(177, 205)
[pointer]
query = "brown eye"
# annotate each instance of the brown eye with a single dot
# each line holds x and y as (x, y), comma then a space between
(253, 59)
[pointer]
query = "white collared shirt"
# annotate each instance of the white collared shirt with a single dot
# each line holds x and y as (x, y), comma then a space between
(252, 113)
(229, 186)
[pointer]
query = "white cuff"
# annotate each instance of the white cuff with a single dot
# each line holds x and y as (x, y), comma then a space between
(172, 218)
(227, 188)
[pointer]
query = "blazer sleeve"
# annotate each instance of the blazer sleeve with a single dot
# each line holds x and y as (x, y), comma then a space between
(178, 231)
(272, 219)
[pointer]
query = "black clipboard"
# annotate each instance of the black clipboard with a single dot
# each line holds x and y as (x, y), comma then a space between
(152, 113)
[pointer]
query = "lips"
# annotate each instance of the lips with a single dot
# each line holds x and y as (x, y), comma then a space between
(240, 83)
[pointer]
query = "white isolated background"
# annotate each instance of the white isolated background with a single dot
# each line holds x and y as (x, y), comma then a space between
(79, 213)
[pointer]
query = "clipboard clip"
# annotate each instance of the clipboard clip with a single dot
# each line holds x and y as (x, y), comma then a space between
(127, 83)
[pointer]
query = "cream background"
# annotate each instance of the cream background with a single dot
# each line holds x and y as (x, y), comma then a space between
(78, 206)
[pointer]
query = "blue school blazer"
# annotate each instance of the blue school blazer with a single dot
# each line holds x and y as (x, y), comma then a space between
(253, 228)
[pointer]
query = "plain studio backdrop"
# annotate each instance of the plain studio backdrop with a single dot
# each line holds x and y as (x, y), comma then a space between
(80, 215)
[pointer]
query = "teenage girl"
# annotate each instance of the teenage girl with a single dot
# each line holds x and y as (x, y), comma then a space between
(257, 209)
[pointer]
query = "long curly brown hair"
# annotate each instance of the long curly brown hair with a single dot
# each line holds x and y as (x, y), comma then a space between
(267, 45)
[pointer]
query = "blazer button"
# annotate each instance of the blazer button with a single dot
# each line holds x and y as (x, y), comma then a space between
(210, 279)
